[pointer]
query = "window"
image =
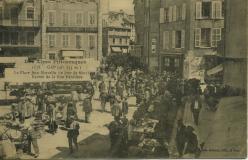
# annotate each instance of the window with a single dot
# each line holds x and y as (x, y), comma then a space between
(147, 18)
(184, 11)
(205, 37)
(51, 18)
(1, 15)
(166, 62)
(113, 40)
(120, 40)
(206, 9)
(178, 39)
(51, 40)
(30, 38)
(166, 40)
(91, 41)
(223, 9)
(30, 13)
(1, 37)
(78, 41)
(177, 62)
(14, 38)
(216, 36)
(166, 14)
(126, 42)
(179, 13)
(65, 20)
(79, 19)
(92, 19)
(52, 56)
(65, 41)
(6, 38)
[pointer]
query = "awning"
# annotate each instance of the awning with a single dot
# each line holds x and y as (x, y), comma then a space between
(215, 70)
(73, 53)
(116, 49)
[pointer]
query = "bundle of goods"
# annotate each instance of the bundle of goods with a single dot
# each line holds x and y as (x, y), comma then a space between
(148, 145)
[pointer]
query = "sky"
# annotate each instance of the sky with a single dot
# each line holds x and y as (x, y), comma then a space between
(126, 5)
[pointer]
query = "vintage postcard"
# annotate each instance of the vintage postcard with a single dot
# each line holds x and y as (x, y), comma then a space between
(133, 79)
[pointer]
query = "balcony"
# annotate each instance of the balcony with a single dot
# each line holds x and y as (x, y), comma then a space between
(115, 33)
(20, 23)
(19, 46)
(13, 2)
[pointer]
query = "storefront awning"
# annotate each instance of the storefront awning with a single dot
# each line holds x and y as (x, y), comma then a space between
(215, 70)
(116, 49)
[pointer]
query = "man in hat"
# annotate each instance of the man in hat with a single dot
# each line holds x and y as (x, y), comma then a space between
(70, 112)
(196, 106)
(87, 108)
(125, 106)
(116, 109)
(21, 110)
(72, 133)
(14, 110)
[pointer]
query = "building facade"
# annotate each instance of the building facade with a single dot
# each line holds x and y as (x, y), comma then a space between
(189, 31)
(20, 28)
(118, 33)
(151, 33)
(70, 29)
(235, 46)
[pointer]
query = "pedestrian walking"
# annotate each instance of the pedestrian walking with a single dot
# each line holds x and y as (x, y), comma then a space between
(72, 134)
(116, 109)
(180, 137)
(33, 136)
(52, 126)
(70, 112)
(125, 106)
(196, 106)
(87, 108)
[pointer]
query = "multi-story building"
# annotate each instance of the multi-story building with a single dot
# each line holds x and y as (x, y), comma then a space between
(70, 29)
(235, 43)
(137, 48)
(189, 31)
(20, 28)
(151, 33)
(118, 33)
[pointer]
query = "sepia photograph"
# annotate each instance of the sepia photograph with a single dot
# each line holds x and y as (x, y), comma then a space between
(123, 79)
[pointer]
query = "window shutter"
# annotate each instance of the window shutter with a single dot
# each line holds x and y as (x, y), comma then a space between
(184, 11)
(173, 40)
(213, 37)
(218, 9)
(161, 15)
(182, 38)
(170, 14)
(198, 10)
(174, 17)
(213, 10)
(197, 37)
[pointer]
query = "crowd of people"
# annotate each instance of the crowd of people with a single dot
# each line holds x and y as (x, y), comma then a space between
(158, 97)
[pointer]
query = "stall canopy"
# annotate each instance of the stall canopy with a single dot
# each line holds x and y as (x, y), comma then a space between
(215, 70)
(116, 49)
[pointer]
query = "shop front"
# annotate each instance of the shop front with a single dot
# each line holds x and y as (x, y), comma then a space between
(172, 64)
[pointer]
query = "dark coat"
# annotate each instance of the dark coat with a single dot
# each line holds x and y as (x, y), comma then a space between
(193, 105)
(87, 105)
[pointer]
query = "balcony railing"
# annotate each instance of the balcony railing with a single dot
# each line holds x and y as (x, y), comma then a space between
(20, 23)
(115, 33)
(19, 45)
